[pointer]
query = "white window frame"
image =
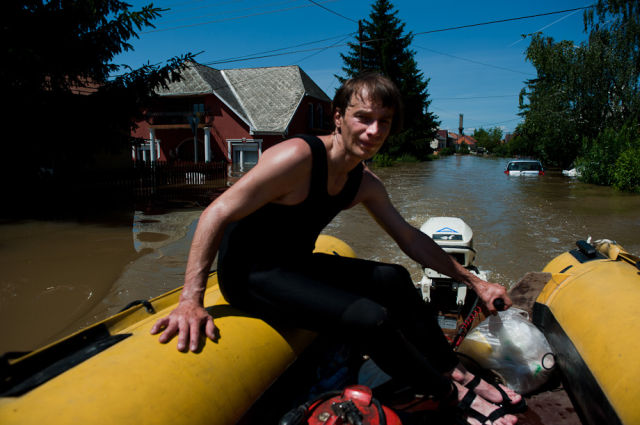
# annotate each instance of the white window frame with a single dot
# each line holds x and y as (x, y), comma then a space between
(242, 145)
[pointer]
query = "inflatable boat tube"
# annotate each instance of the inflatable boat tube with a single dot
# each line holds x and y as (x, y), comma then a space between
(115, 372)
(590, 313)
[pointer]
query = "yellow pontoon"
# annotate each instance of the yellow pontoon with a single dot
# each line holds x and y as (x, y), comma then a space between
(115, 372)
(590, 313)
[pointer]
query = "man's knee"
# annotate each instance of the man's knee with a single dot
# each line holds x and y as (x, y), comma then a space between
(365, 316)
(392, 277)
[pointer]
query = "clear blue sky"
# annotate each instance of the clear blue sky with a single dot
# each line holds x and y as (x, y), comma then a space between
(476, 71)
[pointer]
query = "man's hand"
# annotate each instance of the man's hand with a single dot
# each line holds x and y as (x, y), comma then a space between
(186, 321)
(490, 292)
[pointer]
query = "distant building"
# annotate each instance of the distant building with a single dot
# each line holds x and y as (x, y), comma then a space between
(236, 114)
(508, 137)
(440, 141)
(467, 140)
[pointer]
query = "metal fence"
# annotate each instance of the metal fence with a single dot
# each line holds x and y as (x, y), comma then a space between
(139, 183)
(162, 181)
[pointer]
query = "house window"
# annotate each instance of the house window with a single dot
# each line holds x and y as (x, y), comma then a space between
(319, 116)
(244, 154)
(310, 116)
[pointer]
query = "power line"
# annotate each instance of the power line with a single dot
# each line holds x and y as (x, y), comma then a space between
(320, 51)
(474, 61)
(225, 12)
(474, 97)
(254, 55)
(276, 54)
(499, 21)
(332, 11)
(263, 56)
(225, 19)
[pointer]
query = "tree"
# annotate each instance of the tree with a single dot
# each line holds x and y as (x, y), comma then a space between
(583, 90)
(65, 107)
(488, 139)
(548, 103)
(385, 48)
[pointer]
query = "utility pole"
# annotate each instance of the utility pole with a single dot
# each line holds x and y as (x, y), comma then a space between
(360, 40)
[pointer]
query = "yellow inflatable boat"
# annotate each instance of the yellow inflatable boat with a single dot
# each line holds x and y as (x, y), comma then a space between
(590, 313)
(115, 372)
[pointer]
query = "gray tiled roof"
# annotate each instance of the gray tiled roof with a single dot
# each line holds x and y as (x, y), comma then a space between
(265, 98)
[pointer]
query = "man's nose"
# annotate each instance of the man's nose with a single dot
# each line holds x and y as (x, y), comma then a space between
(374, 127)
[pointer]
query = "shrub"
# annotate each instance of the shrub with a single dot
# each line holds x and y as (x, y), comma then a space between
(600, 155)
(447, 151)
(501, 151)
(407, 157)
(626, 174)
(383, 160)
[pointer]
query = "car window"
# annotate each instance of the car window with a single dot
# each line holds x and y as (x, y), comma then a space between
(524, 166)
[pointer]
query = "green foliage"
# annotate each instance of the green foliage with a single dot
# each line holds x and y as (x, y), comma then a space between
(407, 158)
(600, 163)
(447, 151)
(626, 175)
(385, 48)
(464, 149)
(582, 90)
(57, 49)
(503, 150)
(383, 160)
(489, 139)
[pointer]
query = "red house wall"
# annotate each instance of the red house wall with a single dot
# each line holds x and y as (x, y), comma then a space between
(224, 124)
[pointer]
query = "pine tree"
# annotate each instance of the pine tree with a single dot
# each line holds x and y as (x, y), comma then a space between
(386, 49)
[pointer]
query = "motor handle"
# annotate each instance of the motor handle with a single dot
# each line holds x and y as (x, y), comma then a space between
(499, 304)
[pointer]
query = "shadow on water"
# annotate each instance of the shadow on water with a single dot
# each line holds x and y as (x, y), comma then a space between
(61, 267)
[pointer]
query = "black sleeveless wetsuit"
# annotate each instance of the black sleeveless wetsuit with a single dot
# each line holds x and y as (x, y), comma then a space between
(266, 267)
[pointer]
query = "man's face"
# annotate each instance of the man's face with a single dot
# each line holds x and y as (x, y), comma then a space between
(364, 126)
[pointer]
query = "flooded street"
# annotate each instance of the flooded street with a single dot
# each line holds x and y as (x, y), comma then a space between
(57, 277)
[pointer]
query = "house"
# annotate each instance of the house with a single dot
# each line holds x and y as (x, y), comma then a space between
(467, 140)
(231, 115)
(440, 141)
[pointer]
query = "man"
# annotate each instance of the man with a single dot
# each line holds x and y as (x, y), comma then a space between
(264, 228)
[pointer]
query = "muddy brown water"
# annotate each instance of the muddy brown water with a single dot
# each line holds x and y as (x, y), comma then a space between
(57, 277)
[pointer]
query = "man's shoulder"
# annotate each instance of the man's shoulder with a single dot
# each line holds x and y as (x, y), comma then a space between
(288, 156)
(370, 177)
(371, 187)
(294, 147)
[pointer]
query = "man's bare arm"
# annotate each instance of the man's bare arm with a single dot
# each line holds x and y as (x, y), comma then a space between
(279, 176)
(419, 246)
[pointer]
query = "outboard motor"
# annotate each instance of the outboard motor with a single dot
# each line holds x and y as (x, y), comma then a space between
(451, 299)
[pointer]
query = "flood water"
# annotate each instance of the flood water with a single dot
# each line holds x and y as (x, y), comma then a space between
(56, 277)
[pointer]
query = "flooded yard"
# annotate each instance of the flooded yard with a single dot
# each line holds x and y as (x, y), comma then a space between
(57, 277)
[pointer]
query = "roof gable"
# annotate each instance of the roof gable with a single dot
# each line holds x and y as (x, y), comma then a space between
(468, 140)
(266, 98)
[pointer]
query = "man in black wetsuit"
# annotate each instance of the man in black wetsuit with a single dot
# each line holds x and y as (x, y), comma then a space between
(275, 213)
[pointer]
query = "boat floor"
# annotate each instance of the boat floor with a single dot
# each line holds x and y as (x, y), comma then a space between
(551, 405)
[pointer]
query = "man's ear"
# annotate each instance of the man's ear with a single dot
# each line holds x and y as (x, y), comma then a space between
(337, 118)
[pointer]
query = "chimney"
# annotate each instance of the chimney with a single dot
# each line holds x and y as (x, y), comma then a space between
(461, 127)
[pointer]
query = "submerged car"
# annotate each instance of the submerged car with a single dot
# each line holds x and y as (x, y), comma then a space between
(524, 167)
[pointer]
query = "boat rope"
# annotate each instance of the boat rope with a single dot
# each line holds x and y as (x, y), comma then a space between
(466, 325)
